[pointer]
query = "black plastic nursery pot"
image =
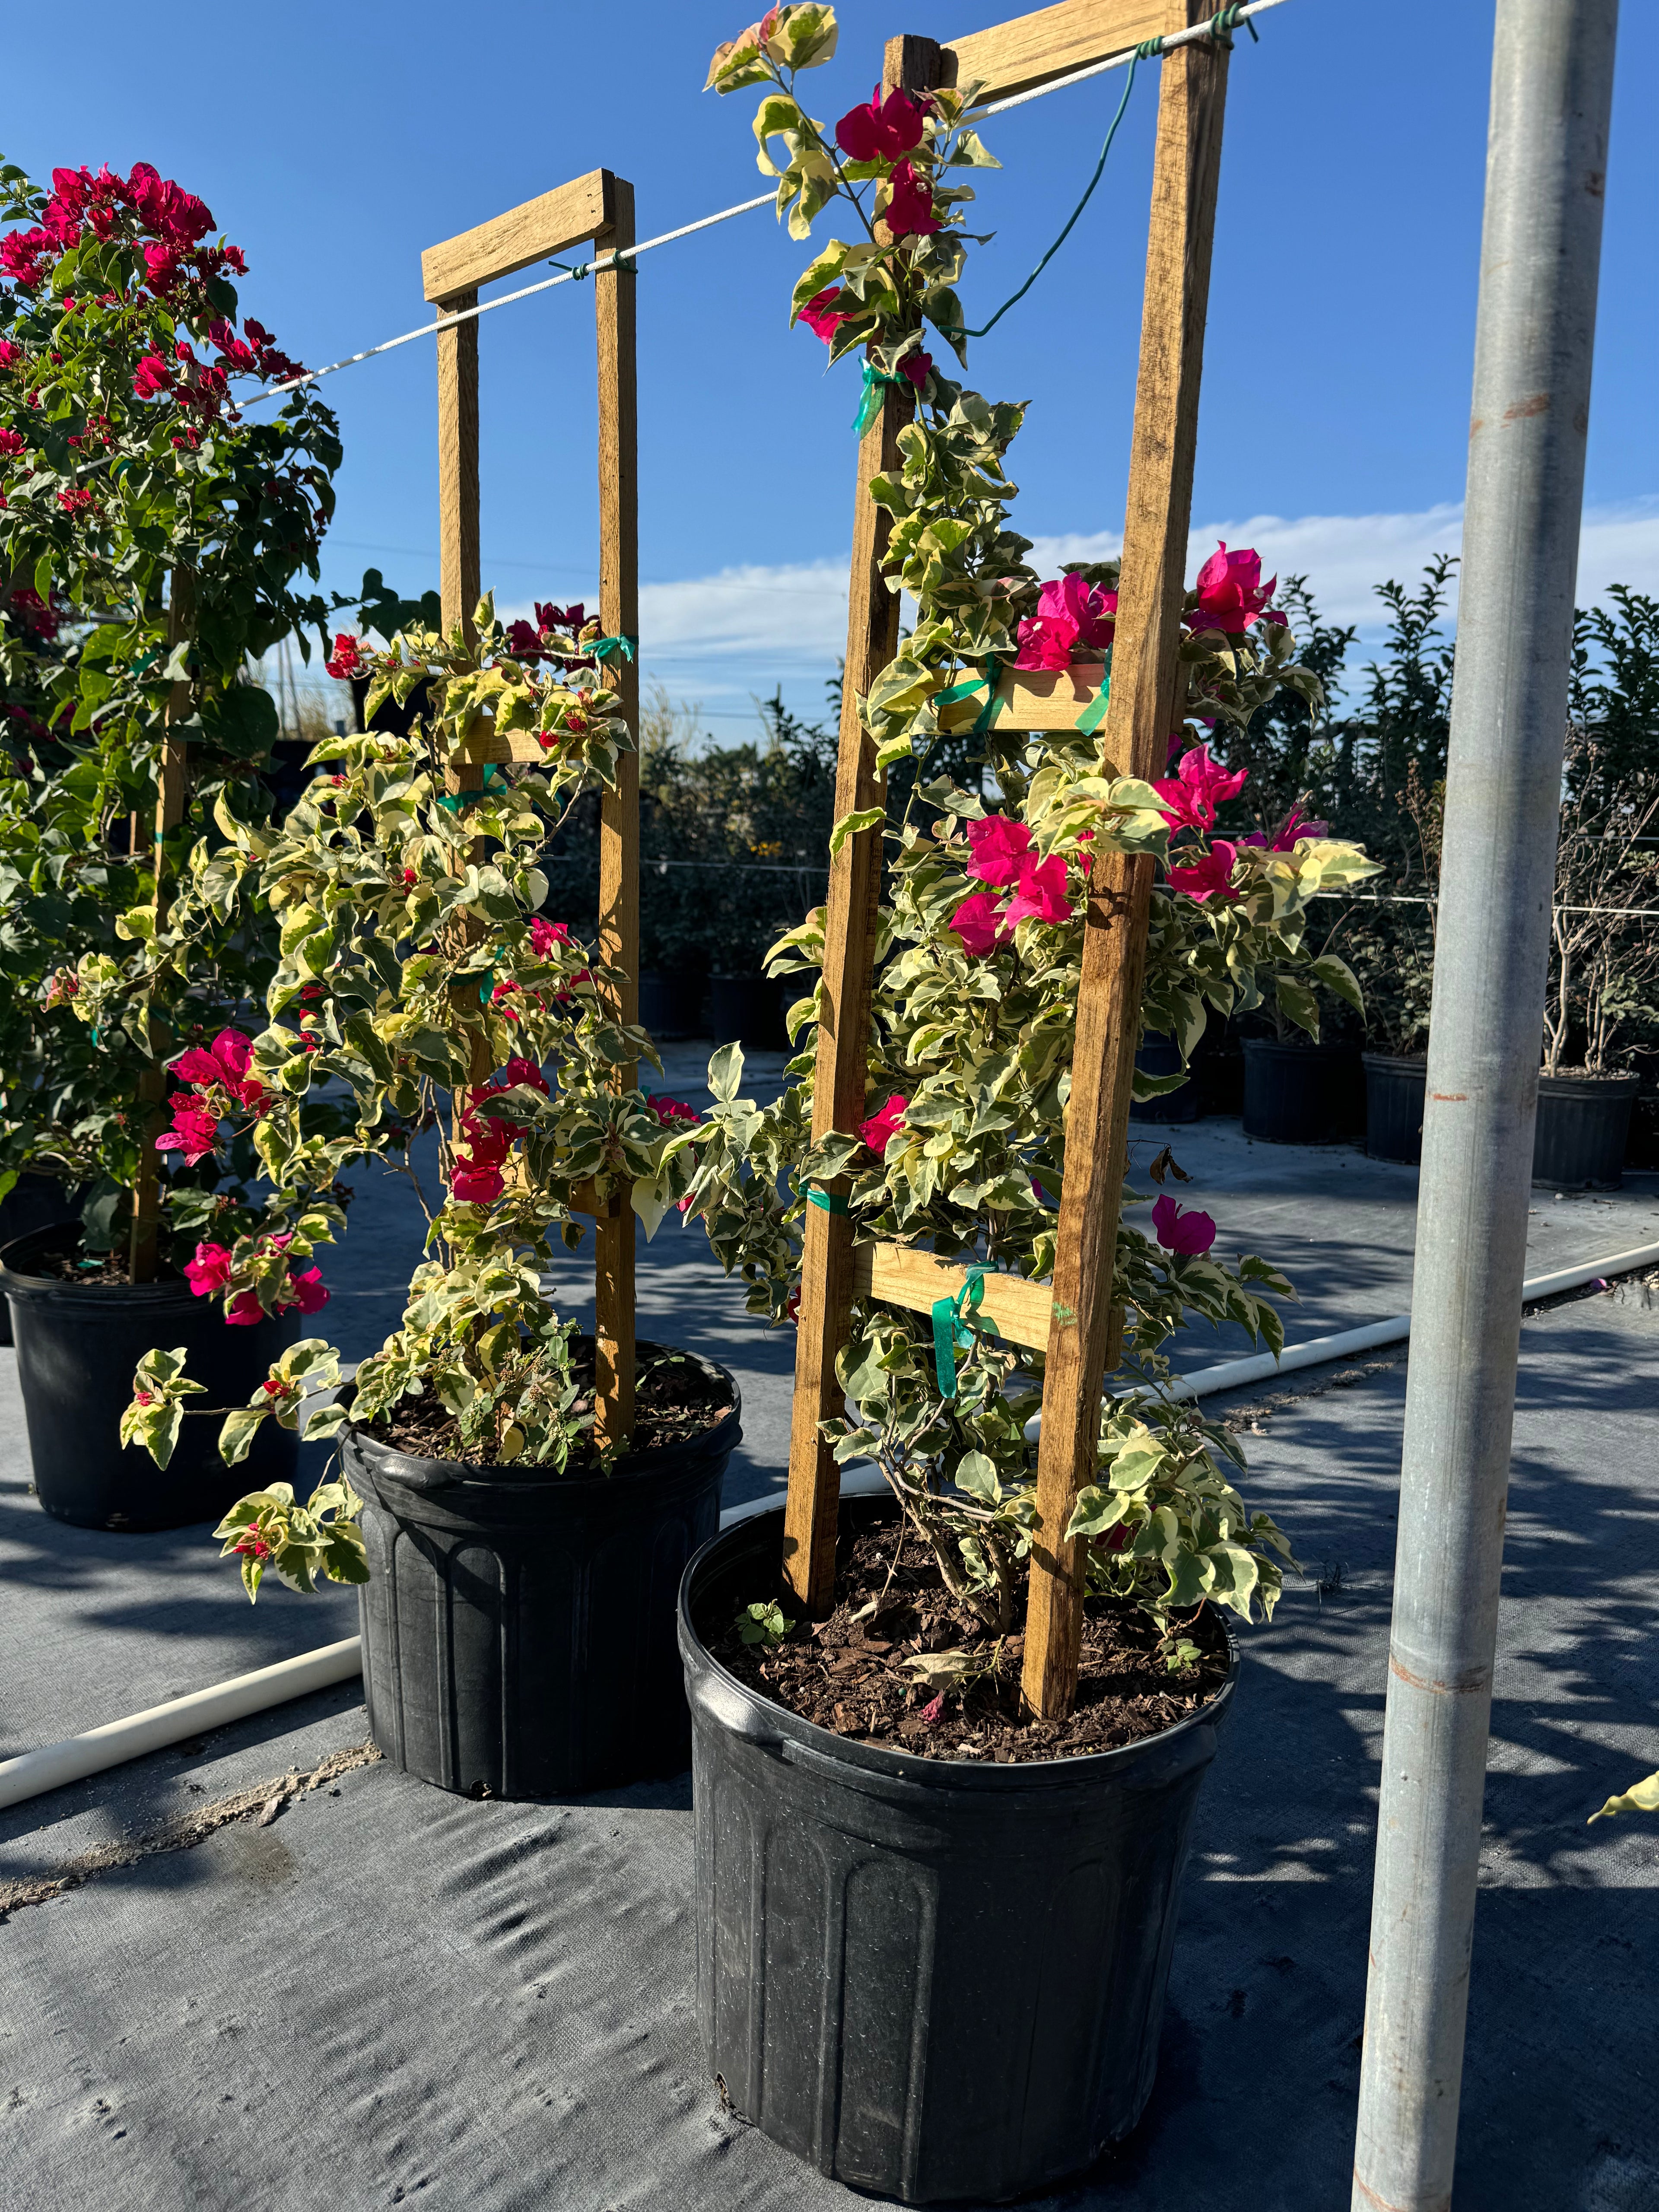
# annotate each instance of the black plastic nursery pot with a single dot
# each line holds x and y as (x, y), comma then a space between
(928, 1979)
(1395, 1085)
(747, 1010)
(77, 1345)
(670, 1003)
(1161, 1055)
(518, 1624)
(1583, 1127)
(1302, 1094)
(34, 1201)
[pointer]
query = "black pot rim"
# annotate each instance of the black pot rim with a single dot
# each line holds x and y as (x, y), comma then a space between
(1030, 1775)
(1309, 1050)
(431, 1476)
(1588, 1086)
(1417, 1063)
(17, 1283)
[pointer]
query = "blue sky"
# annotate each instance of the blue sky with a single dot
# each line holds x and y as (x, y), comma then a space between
(334, 142)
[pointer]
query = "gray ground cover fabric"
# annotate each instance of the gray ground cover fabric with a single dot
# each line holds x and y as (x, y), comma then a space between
(387, 1995)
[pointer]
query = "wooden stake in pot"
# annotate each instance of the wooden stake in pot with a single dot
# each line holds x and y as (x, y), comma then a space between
(1145, 671)
(843, 1050)
(597, 208)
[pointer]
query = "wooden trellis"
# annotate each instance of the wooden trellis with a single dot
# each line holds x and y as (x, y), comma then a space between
(596, 209)
(1072, 1319)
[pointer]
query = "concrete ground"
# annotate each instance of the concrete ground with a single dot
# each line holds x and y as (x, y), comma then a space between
(383, 1995)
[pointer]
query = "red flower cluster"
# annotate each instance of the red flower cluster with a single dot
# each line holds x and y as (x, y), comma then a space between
(1001, 854)
(883, 1125)
(211, 1270)
(13, 442)
(1231, 594)
(884, 130)
(478, 1177)
(346, 658)
(1069, 613)
(552, 621)
(674, 1113)
(217, 1082)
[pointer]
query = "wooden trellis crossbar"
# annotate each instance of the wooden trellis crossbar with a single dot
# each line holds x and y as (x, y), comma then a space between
(1073, 1319)
(598, 209)
(902, 1275)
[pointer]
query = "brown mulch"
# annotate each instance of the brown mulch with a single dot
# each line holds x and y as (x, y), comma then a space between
(849, 1674)
(100, 1270)
(674, 1399)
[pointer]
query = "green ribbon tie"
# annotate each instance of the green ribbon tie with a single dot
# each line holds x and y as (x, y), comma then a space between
(1095, 713)
(986, 681)
(830, 1201)
(954, 1328)
(869, 398)
(628, 647)
(493, 780)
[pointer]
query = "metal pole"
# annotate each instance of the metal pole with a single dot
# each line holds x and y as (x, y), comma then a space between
(1545, 167)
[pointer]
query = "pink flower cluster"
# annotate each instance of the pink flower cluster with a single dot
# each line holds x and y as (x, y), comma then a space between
(527, 642)
(1231, 594)
(1070, 613)
(488, 1137)
(1182, 1229)
(211, 1270)
(347, 659)
(1001, 854)
(1295, 826)
(883, 1125)
(1199, 786)
(217, 1082)
(674, 1113)
(175, 220)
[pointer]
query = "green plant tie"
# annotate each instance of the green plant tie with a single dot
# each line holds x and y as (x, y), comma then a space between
(986, 681)
(1149, 50)
(830, 1201)
(1095, 713)
(954, 1328)
(869, 398)
(453, 801)
(628, 647)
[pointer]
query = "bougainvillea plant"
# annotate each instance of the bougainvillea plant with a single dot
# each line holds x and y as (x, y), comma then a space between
(416, 971)
(980, 936)
(150, 540)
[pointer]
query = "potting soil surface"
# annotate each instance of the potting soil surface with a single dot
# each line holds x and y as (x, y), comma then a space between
(369, 1993)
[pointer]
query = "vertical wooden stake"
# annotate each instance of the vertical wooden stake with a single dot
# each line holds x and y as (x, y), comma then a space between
(144, 1238)
(619, 810)
(1144, 675)
(458, 581)
(841, 1072)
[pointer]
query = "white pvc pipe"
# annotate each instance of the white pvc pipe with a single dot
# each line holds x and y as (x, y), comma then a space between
(55, 1764)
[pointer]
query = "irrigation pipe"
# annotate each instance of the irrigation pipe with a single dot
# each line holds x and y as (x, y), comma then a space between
(55, 1764)
(33, 1772)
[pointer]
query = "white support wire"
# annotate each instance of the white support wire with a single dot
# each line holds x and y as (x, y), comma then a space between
(704, 222)
(1116, 61)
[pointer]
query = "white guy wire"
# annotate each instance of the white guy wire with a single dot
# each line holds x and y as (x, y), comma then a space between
(704, 222)
(1118, 61)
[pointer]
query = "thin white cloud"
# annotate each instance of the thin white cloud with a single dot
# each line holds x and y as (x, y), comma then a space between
(726, 638)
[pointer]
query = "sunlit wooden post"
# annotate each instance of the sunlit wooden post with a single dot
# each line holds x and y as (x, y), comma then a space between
(843, 1050)
(596, 209)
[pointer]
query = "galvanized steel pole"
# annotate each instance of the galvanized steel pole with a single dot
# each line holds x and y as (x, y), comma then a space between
(1545, 167)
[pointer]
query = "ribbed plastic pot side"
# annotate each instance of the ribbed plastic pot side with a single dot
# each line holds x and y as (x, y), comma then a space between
(78, 1345)
(518, 1623)
(928, 1979)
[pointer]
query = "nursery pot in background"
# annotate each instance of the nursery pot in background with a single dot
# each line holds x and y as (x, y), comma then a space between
(1394, 1087)
(518, 1623)
(669, 1002)
(1302, 1094)
(34, 1201)
(1161, 1055)
(1583, 1123)
(747, 1010)
(929, 1979)
(77, 1345)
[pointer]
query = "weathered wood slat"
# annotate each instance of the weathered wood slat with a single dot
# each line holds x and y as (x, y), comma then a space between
(1145, 671)
(1033, 50)
(900, 1275)
(843, 1048)
(614, 293)
(1047, 698)
(570, 214)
